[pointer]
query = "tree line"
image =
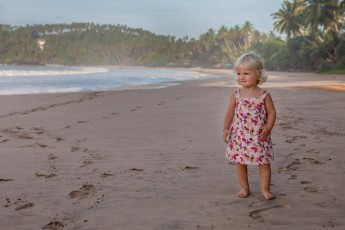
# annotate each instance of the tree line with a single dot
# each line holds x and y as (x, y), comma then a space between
(310, 38)
(314, 32)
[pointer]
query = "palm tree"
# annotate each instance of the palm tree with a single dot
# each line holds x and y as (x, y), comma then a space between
(247, 30)
(222, 35)
(322, 16)
(207, 39)
(233, 39)
(288, 20)
(319, 13)
(336, 17)
(256, 37)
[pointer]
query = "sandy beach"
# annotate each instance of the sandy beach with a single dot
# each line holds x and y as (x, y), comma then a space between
(154, 158)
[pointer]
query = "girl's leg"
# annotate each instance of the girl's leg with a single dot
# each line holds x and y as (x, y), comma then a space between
(265, 179)
(242, 176)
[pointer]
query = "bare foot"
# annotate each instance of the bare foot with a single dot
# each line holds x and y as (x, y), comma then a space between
(268, 195)
(244, 193)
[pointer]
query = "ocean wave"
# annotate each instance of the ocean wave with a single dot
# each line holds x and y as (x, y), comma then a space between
(35, 80)
(70, 71)
(40, 91)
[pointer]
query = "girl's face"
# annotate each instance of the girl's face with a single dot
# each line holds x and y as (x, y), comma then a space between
(247, 78)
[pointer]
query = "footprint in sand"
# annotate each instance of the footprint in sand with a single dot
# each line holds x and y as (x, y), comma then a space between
(135, 109)
(313, 151)
(8, 203)
(106, 174)
(294, 138)
(190, 168)
(52, 156)
(199, 227)
(17, 132)
(96, 155)
(34, 146)
(87, 190)
(75, 148)
(38, 130)
(260, 213)
(313, 161)
(81, 141)
(58, 139)
(306, 182)
(311, 189)
(289, 141)
(328, 133)
(56, 225)
(42, 145)
(294, 165)
(298, 137)
(24, 206)
(5, 180)
(80, 122)
(20, 203)
(293, 177)
(5, 140)
(45, 175)
(136, 170)
(87, 163)
(24, 136)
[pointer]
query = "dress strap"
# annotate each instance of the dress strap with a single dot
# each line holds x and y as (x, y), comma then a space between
(237, 93)
(264, 95)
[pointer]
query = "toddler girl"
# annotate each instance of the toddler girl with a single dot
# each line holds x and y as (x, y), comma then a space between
(248, 123)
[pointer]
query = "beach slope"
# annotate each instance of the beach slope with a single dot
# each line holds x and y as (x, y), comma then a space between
(154, 159)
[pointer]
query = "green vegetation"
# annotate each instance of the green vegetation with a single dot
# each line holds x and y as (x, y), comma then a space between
(337, 71)
(315, 35)
(313, 31)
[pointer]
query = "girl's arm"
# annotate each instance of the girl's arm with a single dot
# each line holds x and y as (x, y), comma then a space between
(271, 118)
(229, 116)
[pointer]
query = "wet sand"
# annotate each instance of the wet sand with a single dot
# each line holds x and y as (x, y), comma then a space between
(154, 158)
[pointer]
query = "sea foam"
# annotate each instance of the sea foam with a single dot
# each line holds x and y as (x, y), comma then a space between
(58, 79)
(85, 70)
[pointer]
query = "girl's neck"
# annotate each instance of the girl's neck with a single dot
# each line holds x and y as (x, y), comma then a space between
(248, 92)
(253, 87)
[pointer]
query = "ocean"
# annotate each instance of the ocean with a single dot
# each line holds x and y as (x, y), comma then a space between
(16, 80)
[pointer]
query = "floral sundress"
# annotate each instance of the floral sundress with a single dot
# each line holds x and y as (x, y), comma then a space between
(244, 146)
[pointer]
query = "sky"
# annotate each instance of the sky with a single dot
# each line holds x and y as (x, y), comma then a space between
(177, 18)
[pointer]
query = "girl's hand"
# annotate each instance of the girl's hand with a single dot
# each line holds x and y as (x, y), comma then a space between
(226, 135)
(265, 132)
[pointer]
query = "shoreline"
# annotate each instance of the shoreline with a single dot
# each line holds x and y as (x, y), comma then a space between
(155, 79)
(225, 78)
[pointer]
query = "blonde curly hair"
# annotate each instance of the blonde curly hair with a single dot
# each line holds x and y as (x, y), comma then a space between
(253, 62)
